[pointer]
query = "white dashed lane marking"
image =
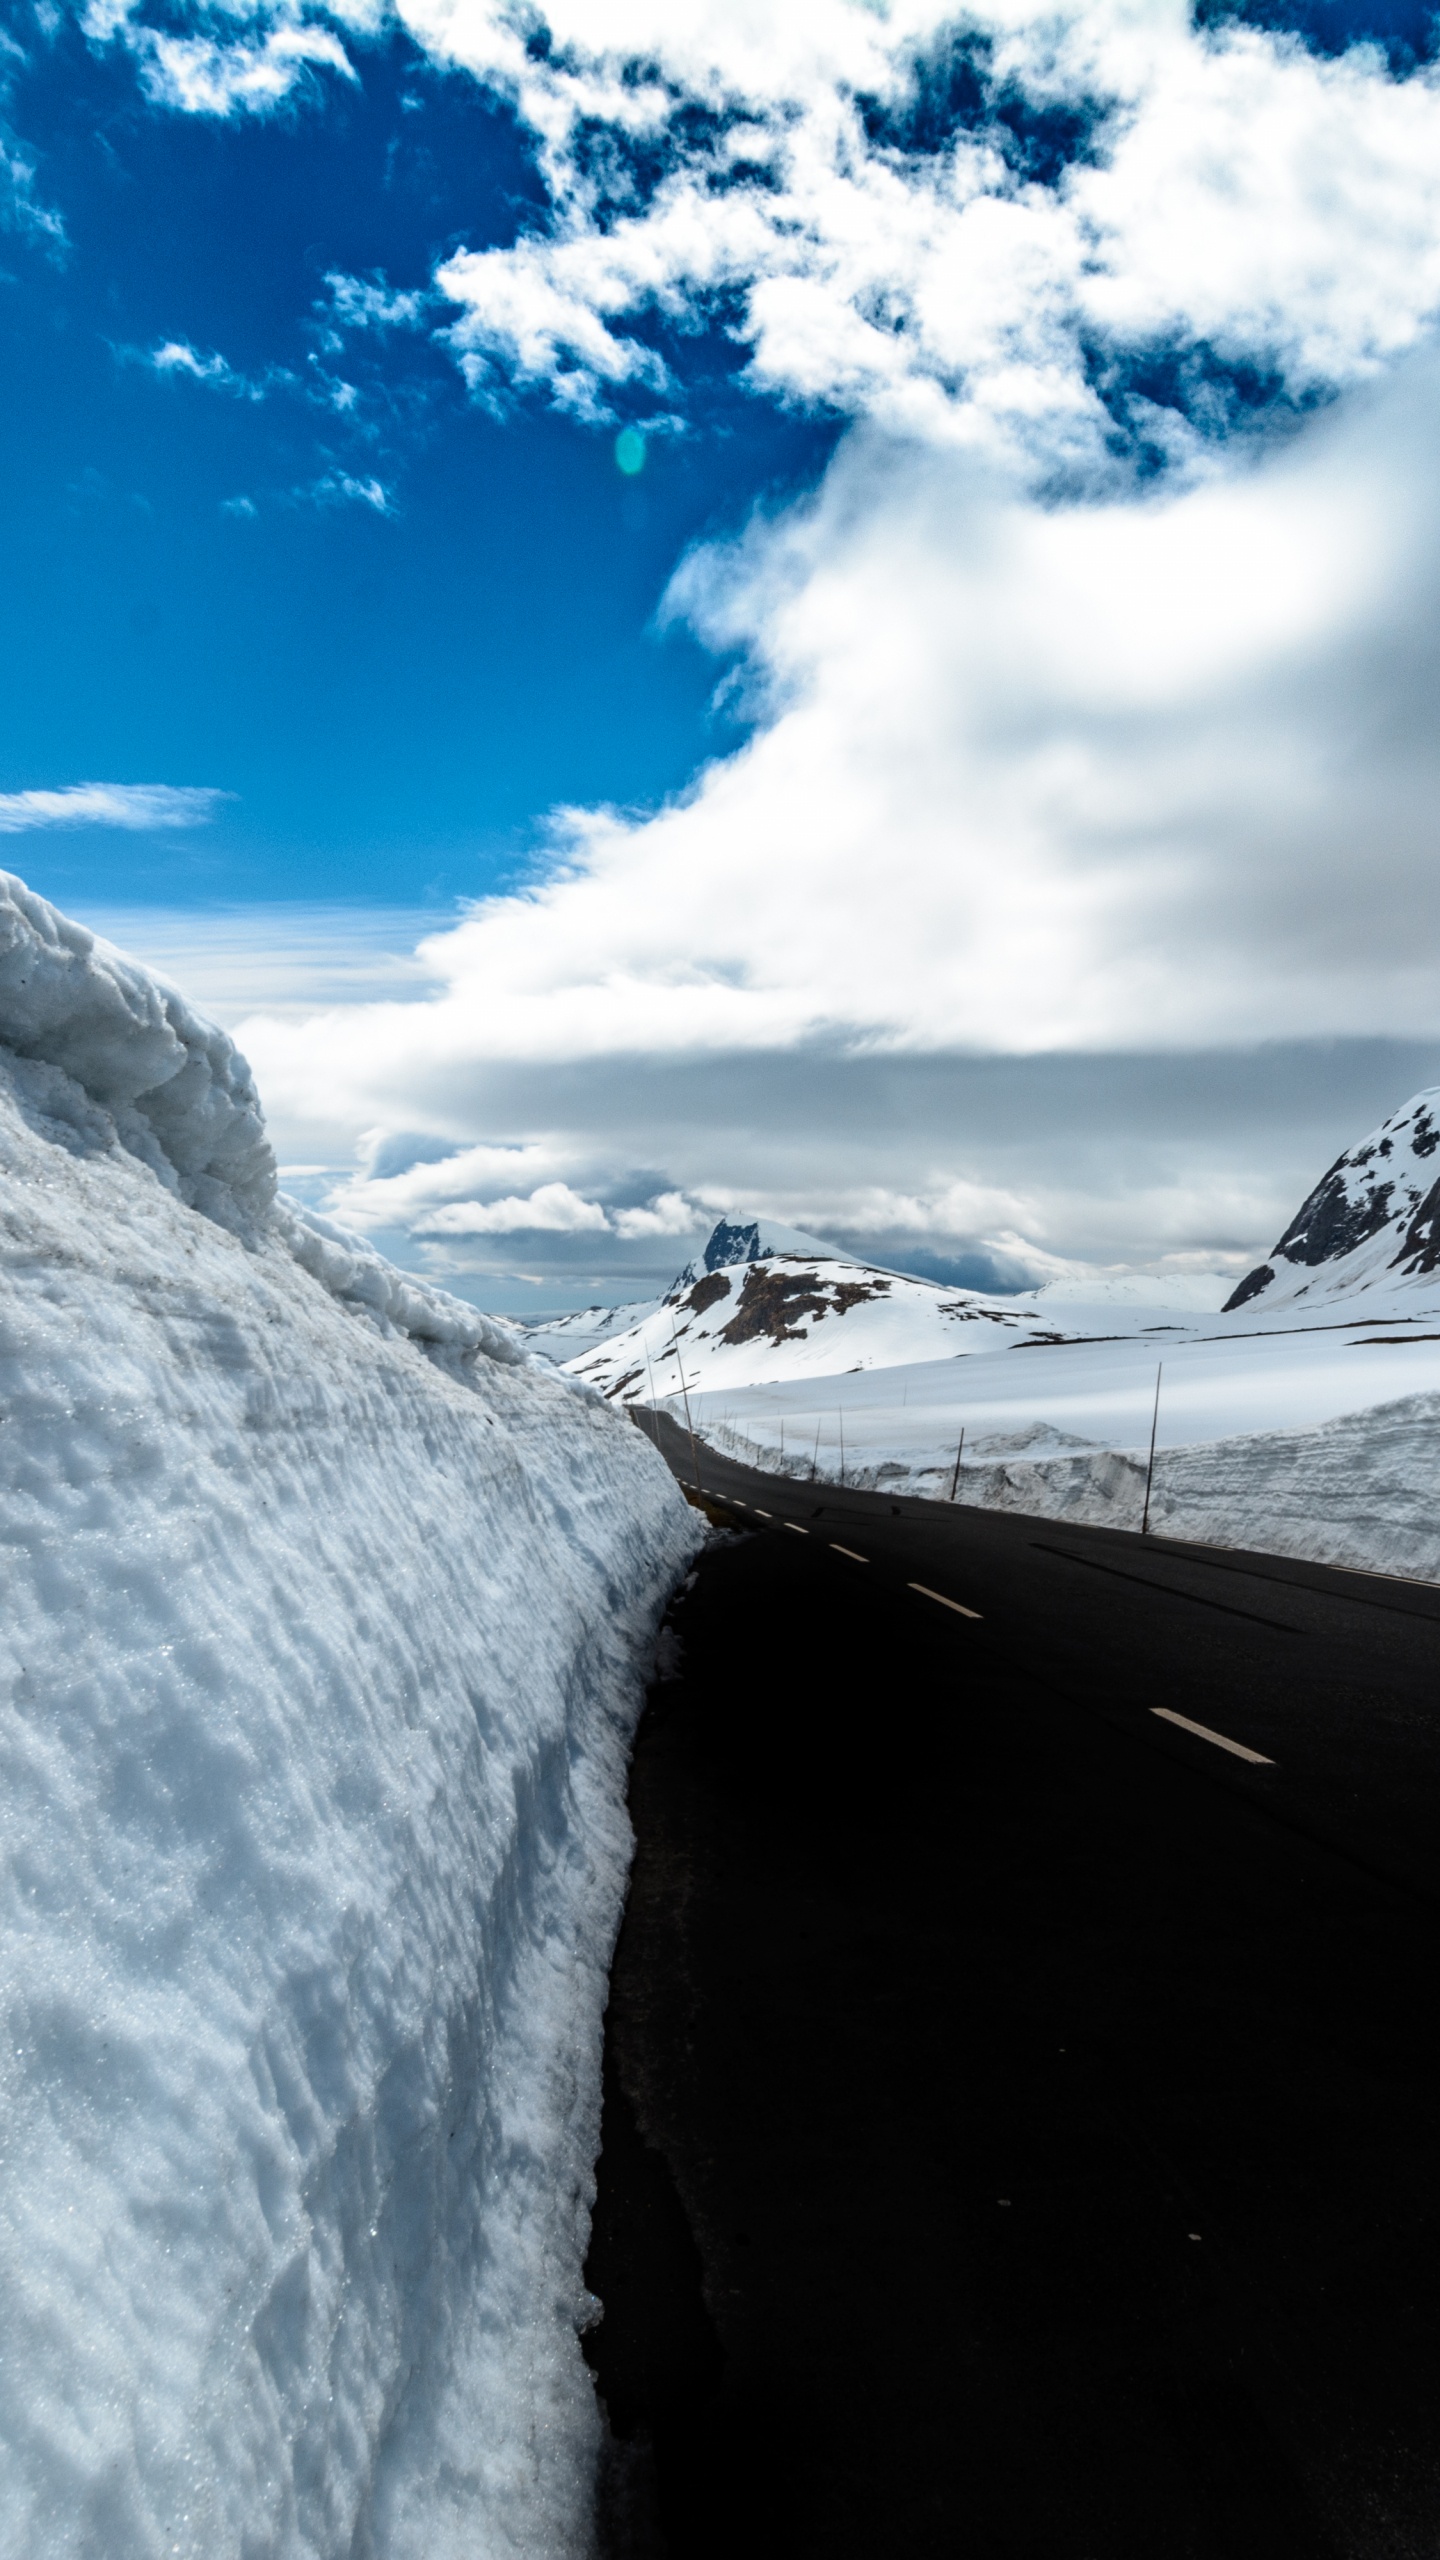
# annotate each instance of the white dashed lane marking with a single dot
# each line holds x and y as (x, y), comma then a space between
(1221, 1741)
(795, 1525)
(957, 1605)
(848, 1551)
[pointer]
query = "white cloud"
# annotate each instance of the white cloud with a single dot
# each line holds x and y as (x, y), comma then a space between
(134, 805)
(1085, 777)
(204, 75)
(175, 356)
(669, 1214)
(1238, 193)
(344, 489)
(20, 207)
(367, 302)
(1033, 783)
(553, 1209)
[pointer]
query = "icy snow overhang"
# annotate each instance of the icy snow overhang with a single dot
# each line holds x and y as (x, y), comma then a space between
(181, 1095)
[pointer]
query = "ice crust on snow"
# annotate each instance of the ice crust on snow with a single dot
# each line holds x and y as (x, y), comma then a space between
(327, 1617)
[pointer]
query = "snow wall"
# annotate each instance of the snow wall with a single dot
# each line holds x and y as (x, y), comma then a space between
(326, 1621)
(1360, 1491)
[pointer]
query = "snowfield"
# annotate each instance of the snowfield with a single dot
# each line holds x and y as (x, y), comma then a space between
(326, 1619)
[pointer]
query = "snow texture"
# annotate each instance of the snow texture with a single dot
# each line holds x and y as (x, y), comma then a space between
(327, 1617)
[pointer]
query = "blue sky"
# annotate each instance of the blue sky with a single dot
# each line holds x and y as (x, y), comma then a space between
(396, 698)
(969, 792)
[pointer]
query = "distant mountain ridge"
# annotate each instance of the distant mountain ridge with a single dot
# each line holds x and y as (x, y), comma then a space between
(1372, 1221)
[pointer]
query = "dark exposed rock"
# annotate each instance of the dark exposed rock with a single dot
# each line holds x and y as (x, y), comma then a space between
(708, 1292)
(1250, 1287)
(1420, 1249)
(773, 1297)
(731, 1244)
(1335, 1219)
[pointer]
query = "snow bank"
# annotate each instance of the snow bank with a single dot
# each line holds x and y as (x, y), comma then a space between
(178, 1092)
(326, 1616)
(1314, 1442)
(1362, 1491)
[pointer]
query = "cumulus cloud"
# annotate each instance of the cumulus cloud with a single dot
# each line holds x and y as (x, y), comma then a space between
(1084, 777)
(553, 1209)
(1217, 196)
(134, 805)
(1032, 786)
(1095, 759)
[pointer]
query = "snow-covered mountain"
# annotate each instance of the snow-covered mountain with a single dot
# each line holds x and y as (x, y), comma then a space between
(564, 1338)
(1370, 1229)
(731, 1244)
(326, 1619)
(791, 1315)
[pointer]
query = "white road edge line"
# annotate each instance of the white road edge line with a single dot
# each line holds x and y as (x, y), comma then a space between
(957, 1605)
(848, 1551)
(1221, 1740)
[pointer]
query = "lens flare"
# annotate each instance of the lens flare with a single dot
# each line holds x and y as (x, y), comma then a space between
(630, 451)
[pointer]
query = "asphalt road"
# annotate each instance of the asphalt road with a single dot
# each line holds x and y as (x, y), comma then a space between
(1021, 2110)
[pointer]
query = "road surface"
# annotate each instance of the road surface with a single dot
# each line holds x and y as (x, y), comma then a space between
(1022, 2090)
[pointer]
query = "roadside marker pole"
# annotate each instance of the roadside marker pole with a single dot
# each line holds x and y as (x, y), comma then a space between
(815, 1460)
(959, 1454)
(685, 1392)
(1150, 1469)
(650, 1374)
(841, 1411)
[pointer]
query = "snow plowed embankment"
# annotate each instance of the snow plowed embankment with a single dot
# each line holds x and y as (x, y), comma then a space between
(326, 1617)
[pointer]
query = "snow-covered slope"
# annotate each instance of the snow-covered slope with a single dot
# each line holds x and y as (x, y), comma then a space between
(1369, 1230)
(564, 1338)
(795, 1315)
(325, 1617)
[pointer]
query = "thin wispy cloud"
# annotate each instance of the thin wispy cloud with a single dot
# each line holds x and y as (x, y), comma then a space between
(344, 489)
(176, 357)
(134, 806)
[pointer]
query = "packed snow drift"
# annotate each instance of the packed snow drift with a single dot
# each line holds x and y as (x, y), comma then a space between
(327, 1615)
